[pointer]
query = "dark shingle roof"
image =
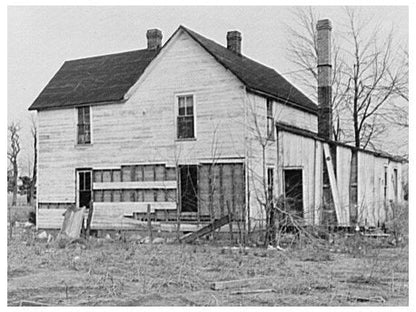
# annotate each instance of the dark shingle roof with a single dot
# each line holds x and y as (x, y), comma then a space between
(97, 79)
(255, 75)
(107, 78)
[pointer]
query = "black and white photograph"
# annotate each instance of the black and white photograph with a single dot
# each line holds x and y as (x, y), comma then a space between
(207, 156)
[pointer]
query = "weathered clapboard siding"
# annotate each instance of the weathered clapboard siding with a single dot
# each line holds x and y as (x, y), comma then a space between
(143, 128)
(50, 218)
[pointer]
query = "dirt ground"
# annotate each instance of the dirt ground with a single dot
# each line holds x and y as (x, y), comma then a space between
(117, 272)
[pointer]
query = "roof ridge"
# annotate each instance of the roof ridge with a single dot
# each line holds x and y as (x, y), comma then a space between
(292, 91)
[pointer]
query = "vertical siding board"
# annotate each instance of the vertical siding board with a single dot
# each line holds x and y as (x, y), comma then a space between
(343, 169)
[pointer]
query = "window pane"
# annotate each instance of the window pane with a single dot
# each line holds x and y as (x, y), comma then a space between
(116, 195)
(181, 105)
(269, 108)
(189, 110)
(185, 127)
(107, 196)
(116, 176)
(106, 175)
(97, 176)
(189, 100)
(81, 181)
(87, 176)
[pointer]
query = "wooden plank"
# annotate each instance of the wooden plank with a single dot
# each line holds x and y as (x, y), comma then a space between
(252, 291)
(135, 185)
(221, 285)
(134, 206)
(217, 223)
(333, 185)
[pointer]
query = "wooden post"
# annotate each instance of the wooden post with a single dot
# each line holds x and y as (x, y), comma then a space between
(149, 222)
(230, 215)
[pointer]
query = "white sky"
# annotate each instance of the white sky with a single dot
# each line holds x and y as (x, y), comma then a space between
(40, 39)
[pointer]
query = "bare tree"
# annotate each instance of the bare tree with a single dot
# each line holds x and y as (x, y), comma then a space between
(34, 132)
(12, 154)
(367, 74)
(303, 53)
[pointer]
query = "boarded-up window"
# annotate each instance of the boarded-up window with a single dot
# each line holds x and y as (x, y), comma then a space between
(160, 173)
(116, 176)
(98, 196)
(160, 195)
(149, 174)
(126, 173)
(171, 195)
(138, 174)
(107, 195)
(217, 187)
(171, 174)
(149, 195)
(98, 176)
(116, 195)
(106, 175)
(140, 195)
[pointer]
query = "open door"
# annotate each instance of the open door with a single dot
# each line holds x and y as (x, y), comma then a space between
(294, 191)
(84, 186)
(189, 188)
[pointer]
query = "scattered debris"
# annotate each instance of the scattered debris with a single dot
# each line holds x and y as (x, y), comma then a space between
(50, 238)
(43, 235)
(27, 303)
(145, 240)
(253, 291)
(235, 283)
(28, 224)
(348, 297)
(158, 240)
(135, 238)
(270, 247)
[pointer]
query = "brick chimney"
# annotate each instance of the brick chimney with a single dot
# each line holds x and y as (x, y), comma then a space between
(154, 39)
(234, 41)
(324, 29)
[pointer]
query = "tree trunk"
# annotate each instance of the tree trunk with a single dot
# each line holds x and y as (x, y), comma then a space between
(15, 174)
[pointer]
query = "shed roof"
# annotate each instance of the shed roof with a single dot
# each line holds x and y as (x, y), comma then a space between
(107, 78)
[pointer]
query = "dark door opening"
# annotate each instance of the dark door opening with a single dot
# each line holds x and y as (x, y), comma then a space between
(84, 188)
(294, 192)
(189, 188)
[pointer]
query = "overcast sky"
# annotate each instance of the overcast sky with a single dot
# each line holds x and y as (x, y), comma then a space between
(40, 39)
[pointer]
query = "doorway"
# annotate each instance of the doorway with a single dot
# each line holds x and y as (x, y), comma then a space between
(84, 188)
(189, 188)
(293, 183)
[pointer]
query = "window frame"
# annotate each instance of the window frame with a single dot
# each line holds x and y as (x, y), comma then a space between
(177, 97)
(78, 124)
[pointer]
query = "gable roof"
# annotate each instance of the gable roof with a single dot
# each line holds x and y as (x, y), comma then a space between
(96, 79)
(107, 78)
(254, 75)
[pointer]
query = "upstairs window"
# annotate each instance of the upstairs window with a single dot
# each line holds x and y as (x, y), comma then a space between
(84, 125)
(185, 120)
(270, 120)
